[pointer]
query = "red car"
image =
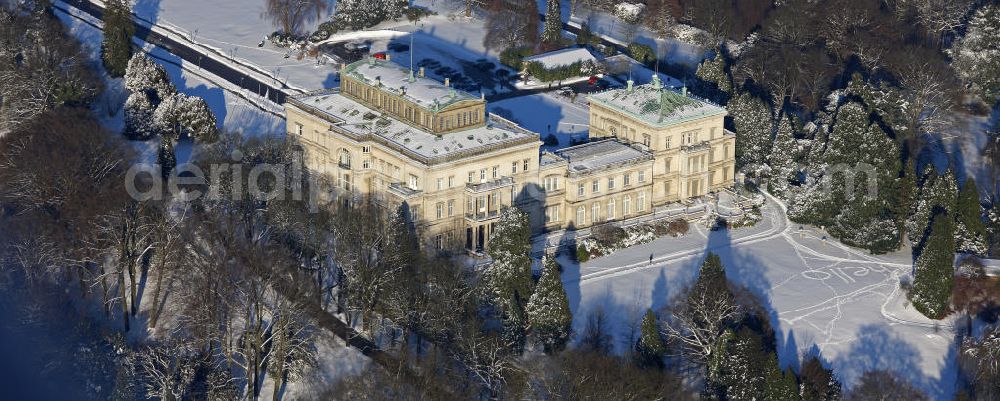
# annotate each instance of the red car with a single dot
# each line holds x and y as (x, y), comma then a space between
(380, 56)
(592, 80)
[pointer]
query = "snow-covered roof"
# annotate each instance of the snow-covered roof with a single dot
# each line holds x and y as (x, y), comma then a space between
(362, 123)
(395, 79)
(655, 105)
(562, 57)
(601, 154)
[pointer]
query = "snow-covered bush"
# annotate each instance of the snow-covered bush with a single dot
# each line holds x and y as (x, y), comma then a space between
(977, 55)
(360, 14)
(139, 111)
(629, 12)
(181, 115)
(143, 73)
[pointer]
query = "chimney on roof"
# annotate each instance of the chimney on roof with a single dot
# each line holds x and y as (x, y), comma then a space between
(447, 81)
(656, 82)
(630, 83)
(684, 91)
(420, 73)
(343, 67)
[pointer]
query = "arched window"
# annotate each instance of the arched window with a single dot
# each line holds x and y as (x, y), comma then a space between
(611, 209)
(581, 215)
(595, 212)
(345, 158)
(626, 205)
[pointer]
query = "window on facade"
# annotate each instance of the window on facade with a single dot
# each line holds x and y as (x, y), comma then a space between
(646, 140)
(366, 149)
(482, 175)
(611, 183)
(642, 175)
(626, 205)
(440, 183)
(642, 202)
(415, 212)
(472, 176)
(438, 242)
(581, 215)
(298, 128)
(513, 167)
(666, 164)
(439, 210)
(451, 207)
(666, 188)
(525, 165)
(496, 172)
(613, 131)
(595, 212)
(725, 150)
(451, 181)
(552, 214)
(580, 189)
(595, 186)
(667, 143)
(627, 179)
(551, 183)
(345, 158)
(366, 164)
(611, 209)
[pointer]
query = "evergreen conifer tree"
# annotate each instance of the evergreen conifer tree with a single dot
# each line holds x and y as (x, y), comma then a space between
(116, 46)
(138, 112)
(935, 273)
(970, 232)
(713, 70)
(753, 120)
(552, 30)
(779, 385)
(650, 348)
(744, 372)
(782, 157)
(508, 279)
(548, 310)
(143, 74)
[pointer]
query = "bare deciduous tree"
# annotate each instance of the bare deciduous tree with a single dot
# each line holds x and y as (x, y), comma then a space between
(290, 15)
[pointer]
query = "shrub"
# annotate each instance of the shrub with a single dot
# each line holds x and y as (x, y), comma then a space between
(586, 37)
(608, 234)
(513, 57)
(535, 69)
(678, 227)
(641, 53)
(582, 254)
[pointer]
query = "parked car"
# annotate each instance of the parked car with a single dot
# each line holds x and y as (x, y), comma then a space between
(565, 91)
(380, 56)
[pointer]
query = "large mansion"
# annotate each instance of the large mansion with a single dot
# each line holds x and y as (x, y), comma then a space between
(401, 137)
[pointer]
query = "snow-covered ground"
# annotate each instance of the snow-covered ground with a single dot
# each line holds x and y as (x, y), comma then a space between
(546, 113)
(235, 109)
(823, 297)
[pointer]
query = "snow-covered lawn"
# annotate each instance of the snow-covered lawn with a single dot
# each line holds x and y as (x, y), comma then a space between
(546, 113)
(822, 296)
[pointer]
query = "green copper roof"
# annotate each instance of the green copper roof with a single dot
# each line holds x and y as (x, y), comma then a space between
(656, 106)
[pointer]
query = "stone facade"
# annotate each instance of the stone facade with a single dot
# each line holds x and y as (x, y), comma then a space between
(400, 138)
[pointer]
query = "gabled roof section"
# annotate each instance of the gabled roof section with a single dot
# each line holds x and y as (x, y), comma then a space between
(656, 106)
(393, 78)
